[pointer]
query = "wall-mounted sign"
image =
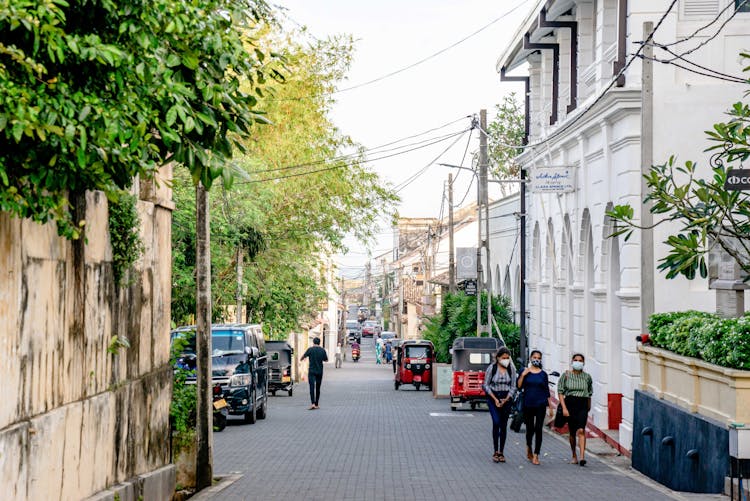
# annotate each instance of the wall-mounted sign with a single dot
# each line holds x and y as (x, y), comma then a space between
(737, 180)
(466, 262)
(470, 287)
(558, 179)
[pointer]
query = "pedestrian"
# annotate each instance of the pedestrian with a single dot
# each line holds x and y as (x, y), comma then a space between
(536, 403)
(338, 356)
(317, 356)
(500, 387)
(388, 352)
(378, 348)
(574, 389)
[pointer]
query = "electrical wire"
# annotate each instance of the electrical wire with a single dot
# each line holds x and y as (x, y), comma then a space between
(471, 183)
(713, 74)
(678, 56)
(415, 176)
(359, 161)
(695, 33)
(412, 65)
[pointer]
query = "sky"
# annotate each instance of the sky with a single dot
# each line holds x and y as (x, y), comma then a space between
(390, 35)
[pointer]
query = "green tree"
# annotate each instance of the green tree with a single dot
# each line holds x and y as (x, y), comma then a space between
(291, 216)
(458, 318)
(706, 214)
(93, 93)
(505, 134)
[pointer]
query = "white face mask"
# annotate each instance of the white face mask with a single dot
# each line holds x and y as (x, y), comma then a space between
(505, 362)
(577, 365)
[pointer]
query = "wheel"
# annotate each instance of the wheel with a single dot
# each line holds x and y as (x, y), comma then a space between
(262, 411)
(250, 415)
(273, 393)
(220, 421)
(416, 385)
(396, 385)
(473, 406)
(453, 407)
(290, 392)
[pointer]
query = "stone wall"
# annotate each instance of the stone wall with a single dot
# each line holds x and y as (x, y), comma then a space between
(74, 418)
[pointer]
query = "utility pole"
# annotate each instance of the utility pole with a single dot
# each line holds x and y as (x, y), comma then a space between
(483, 178)
(647, 158)
(204, 428)
(366, 290)
(239, 284)
(451, 249)
(479, 258)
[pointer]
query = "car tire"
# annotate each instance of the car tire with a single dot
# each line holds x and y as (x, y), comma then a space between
(273, 393)
(290, 392)
(454, 408)
(262, 411)
(250, 416)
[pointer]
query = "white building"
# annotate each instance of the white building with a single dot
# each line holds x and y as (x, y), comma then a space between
(586, 292)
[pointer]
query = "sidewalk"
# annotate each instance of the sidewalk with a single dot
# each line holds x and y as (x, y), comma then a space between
(369, 442)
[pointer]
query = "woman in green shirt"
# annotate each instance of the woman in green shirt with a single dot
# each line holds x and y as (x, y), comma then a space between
(574, 390)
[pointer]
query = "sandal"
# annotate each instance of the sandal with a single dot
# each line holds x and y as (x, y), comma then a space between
(529, 455)
(496, 457)
(535, 459)
(501, 458)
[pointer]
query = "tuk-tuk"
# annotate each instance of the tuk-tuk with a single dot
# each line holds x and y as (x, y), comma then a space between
(414, 359)
(471, 356)
(280, 367)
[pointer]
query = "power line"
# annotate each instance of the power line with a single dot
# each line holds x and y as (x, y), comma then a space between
(412, 65)
(705, 26)
(413, 177)
(708, 73)
(359, 161)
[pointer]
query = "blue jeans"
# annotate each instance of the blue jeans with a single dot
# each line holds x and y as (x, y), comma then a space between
(499, 420)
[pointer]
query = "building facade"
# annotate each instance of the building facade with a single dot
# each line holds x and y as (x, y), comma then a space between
(598, 114)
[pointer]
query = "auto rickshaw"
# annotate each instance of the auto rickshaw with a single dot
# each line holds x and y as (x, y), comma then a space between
(280, 367)
(414, 359)
(471, 356)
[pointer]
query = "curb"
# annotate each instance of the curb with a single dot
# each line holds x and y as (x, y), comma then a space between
(224, 482)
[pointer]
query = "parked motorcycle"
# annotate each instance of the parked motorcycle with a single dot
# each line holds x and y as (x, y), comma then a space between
(221, 410)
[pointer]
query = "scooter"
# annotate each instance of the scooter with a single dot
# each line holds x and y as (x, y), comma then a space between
(355, 354)
(221, 410)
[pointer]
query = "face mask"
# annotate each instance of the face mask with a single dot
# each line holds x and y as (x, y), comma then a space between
(505, 362)
(577, 365)
(536, 362)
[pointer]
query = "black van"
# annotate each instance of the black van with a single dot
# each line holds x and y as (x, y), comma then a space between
(239, 363)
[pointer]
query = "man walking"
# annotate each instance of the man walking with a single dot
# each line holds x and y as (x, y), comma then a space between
(317, 356)
(338, 355)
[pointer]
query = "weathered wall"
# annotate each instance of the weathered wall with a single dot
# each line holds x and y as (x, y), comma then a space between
(75, 419)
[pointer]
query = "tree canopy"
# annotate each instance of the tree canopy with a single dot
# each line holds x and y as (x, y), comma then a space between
(505, 133)
(301, 187)
(95, 92)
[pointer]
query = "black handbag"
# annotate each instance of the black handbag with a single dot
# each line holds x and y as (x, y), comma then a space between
(516, 418)
(560, 419)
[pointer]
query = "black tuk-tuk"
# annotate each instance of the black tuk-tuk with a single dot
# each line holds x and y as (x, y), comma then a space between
(279, 367)
(471, 356)
(414, 359)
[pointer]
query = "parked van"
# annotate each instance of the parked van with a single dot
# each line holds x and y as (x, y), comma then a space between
(239, 365)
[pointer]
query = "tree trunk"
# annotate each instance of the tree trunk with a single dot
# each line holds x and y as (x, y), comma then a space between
(204, 462)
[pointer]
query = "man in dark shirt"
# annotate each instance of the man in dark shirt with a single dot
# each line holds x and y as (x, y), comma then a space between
(317, 356)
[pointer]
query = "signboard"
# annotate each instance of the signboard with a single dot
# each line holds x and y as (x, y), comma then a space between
(466, 262)
(470, 287)
(737, 180)
(553, 179)
(443, 377)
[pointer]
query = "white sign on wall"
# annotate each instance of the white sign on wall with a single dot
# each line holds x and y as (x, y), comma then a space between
(557, 179)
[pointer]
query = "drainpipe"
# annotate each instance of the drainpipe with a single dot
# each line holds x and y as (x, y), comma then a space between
(573, 27)
(622, 20)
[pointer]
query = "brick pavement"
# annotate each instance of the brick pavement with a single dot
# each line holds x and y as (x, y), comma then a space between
(369, 442)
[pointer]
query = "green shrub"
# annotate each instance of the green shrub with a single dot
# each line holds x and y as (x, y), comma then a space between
(720, 341)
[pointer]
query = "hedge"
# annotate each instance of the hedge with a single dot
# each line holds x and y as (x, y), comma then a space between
(717, 340)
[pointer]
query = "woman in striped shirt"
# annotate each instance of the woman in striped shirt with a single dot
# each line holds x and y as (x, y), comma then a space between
(574, 390)
(500, 387)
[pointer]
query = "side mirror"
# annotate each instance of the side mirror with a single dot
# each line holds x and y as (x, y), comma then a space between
(248, 350)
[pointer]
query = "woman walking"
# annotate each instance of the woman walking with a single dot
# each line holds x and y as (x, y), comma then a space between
(500, 387)
(574, 389)
(536, 403)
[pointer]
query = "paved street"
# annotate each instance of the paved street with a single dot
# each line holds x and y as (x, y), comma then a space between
(370, 442)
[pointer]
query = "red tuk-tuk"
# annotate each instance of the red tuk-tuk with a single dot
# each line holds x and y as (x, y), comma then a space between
(471, 356)
(414, 359)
